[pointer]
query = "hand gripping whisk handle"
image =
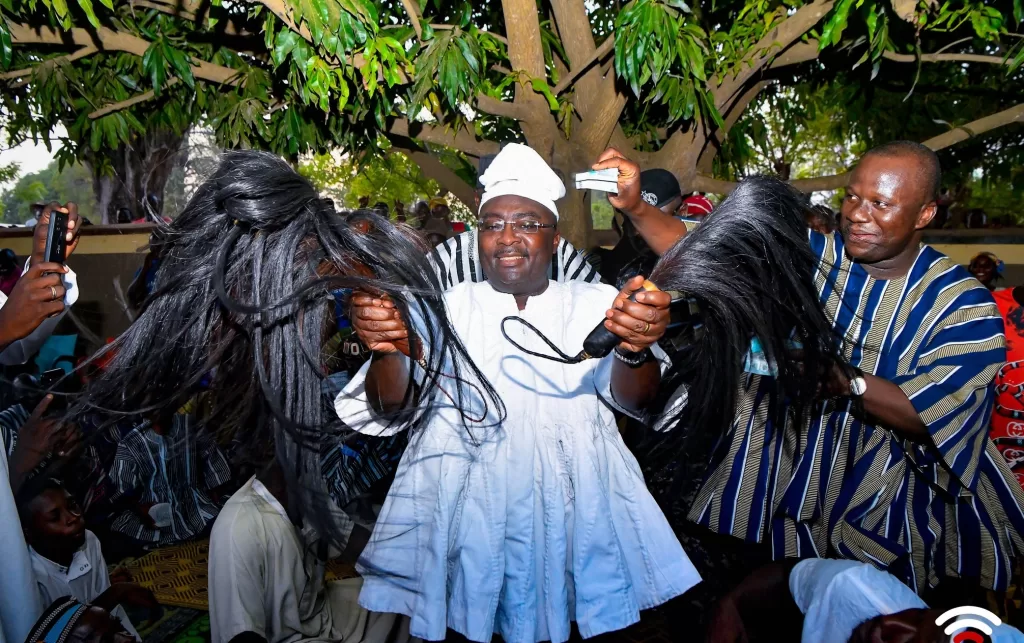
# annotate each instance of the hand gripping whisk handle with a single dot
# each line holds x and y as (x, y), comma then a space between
(602, 341)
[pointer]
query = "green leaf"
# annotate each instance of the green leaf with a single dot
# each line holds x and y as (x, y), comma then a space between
(60, 7)
(1018, 11)
(541, 87)
(90, 15)
(679, 4)
(6, 50)
(284, 44)
(343, 92)
(153, 66)
(181, 64)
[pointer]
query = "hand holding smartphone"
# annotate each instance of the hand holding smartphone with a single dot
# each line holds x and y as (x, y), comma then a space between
(56, 237)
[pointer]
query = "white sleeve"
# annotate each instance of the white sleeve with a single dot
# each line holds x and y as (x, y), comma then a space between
(354, 409)
(19, 352)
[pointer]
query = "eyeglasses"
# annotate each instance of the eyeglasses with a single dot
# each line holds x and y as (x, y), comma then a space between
(525, 227)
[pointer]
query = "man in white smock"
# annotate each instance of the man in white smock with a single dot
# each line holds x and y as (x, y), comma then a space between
(518, 524)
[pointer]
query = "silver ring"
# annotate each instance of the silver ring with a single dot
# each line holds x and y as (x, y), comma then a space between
(53, 293)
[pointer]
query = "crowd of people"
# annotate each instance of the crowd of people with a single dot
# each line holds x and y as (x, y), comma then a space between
(769, 420)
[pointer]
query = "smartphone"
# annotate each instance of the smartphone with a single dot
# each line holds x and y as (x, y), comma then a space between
(56, 237)
(47, 381)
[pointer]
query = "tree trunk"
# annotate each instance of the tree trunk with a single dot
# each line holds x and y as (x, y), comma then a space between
(126, 178)
(575, 221)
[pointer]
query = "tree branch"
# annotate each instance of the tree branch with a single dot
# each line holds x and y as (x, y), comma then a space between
(284, 14)
(19, 73)
(140, 98)
(497, 107)
(523, 32)
(778, 39)
(414, 16)
(731, 115)
(434, 169)
(462, 140)
(599, 54)
(496, 36)
(704, 183)
(187, 11)
(108, 39)
(1009, 116)
(974, 128)
(936, 58)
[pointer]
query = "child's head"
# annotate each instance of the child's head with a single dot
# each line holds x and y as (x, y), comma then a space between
(51, 519)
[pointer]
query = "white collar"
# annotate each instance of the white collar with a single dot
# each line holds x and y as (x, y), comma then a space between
(264, 493)
(80, 564)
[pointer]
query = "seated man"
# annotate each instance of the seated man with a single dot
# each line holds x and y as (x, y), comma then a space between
(530, 513)
(66, 557)
(175, 478)
(267, 579)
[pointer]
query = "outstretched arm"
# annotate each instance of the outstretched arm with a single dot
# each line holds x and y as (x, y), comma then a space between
(659, 230)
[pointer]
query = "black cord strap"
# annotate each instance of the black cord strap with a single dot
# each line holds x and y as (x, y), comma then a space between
(562, 358)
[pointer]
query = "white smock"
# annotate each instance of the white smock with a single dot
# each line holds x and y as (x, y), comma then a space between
(529, 525)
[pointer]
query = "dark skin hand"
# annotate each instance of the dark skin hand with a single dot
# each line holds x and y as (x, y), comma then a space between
(379, 325)
(39, 294)
(659, 231)
(885, 402)
(640, 324)
(130, 595)
(37, 439)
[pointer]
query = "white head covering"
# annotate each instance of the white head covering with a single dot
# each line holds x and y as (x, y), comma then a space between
(518, 170)
(838, 595)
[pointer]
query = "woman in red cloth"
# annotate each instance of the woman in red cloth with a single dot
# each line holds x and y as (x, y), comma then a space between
(1008, 418)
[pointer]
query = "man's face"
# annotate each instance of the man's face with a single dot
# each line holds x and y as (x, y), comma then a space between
(514, 261)
(884, 207)
(55, 525)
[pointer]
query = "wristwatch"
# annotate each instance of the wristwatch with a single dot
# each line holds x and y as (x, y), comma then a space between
(858, 385)
(633, 360)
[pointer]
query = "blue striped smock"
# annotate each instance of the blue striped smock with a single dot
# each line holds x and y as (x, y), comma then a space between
(843, 486)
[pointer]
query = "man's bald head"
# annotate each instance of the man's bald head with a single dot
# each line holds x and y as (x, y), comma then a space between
(890, 198)
(929, 171)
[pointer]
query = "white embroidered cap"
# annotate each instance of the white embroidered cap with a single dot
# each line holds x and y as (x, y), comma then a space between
(518, 170)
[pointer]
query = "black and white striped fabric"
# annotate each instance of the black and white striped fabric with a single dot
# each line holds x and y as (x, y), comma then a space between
(456, 261)
(180, 467)
(11, 420)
